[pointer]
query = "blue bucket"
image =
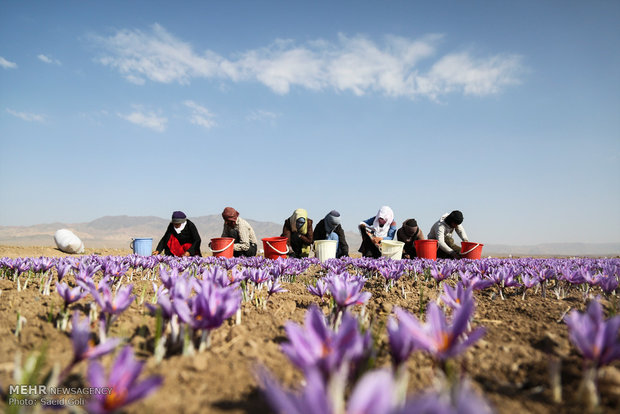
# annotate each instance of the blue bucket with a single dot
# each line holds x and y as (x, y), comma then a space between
(142, 247)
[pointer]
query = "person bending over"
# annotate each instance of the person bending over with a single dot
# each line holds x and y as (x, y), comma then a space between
(408, 234)
(377, 228)
(298, 229)
(181, 238)
(240, 230)
(329, 228)
(442, 232)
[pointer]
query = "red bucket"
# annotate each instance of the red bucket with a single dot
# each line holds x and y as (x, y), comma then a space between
(223, 246)
(426, 249)
(471, 250)
(275, 247)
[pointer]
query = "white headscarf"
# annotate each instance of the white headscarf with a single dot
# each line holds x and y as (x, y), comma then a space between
(385, 213)
(180, 228)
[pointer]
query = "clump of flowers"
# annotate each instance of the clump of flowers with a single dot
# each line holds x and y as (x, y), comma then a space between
(441, 338)
(317, 346)
(122, 380)
(597, 340)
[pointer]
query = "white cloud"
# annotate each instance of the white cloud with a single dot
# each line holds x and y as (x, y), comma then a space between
(279, 68)
(398, 67)
(157, 56)
(7, 64)
(47, 59)
(26, 116)
(146, 120)
(261, 115)
(200, 115)
(474, 77)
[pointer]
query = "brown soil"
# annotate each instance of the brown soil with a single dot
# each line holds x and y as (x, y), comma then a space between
(510, 365)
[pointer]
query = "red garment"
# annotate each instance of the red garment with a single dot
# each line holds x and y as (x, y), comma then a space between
(177, 248)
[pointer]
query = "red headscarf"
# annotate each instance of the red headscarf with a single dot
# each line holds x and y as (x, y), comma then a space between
(230, 214)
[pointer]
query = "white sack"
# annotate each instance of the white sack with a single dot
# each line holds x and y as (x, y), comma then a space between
(68, 242)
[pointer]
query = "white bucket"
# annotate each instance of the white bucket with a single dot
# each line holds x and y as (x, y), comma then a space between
(392, 249)
(325, 249)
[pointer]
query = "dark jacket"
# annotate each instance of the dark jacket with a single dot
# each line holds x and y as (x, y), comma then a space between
(409, 251)
(295, 239)
(188, 235)
(321, 234)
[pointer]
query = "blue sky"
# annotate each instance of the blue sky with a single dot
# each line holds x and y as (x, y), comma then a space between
(508, 111)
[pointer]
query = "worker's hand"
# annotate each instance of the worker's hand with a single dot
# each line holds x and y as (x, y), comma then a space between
(155, 252)
(377, 240)
(186, 254)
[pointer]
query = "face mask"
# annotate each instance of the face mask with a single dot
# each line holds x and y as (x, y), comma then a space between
(300, 222)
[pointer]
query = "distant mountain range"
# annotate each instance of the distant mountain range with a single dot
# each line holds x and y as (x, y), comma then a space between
(117, 232)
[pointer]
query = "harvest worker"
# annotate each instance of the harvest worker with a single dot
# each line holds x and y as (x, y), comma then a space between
(377, 228)
(442, 232)
(330, 229)
(298, 229)
(240, 230)
(181, 237)
(408, 234)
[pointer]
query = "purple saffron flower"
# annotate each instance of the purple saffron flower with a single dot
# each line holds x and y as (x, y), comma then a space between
(530, 280)
(22, 266)
(122, 381)
(313, 399)
(62, 269)
(318, 346)
(83, 346)
(476, 281)
(159, 290)
(374, 393)
(347, 290)
(41, 264)
(279, 267)
(595, 338)
(69, 295)
(86, 271)
(393, 270)
(505, 277)
(236, 276)
(183, 286)
(114, 269)
(608, 283)
(168, 278)
(441, 339)
(257, 276)
(572, 276)
(546, 274)
(461, 399)
(217, 275)
(454, 297)
(164, 304)
(210, 307)
(467, 401)
(319, 290)
(113, 305)
(274, 286)
(401, 344)
(441, 274)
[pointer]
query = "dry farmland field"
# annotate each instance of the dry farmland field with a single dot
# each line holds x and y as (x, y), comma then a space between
(524, 362)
